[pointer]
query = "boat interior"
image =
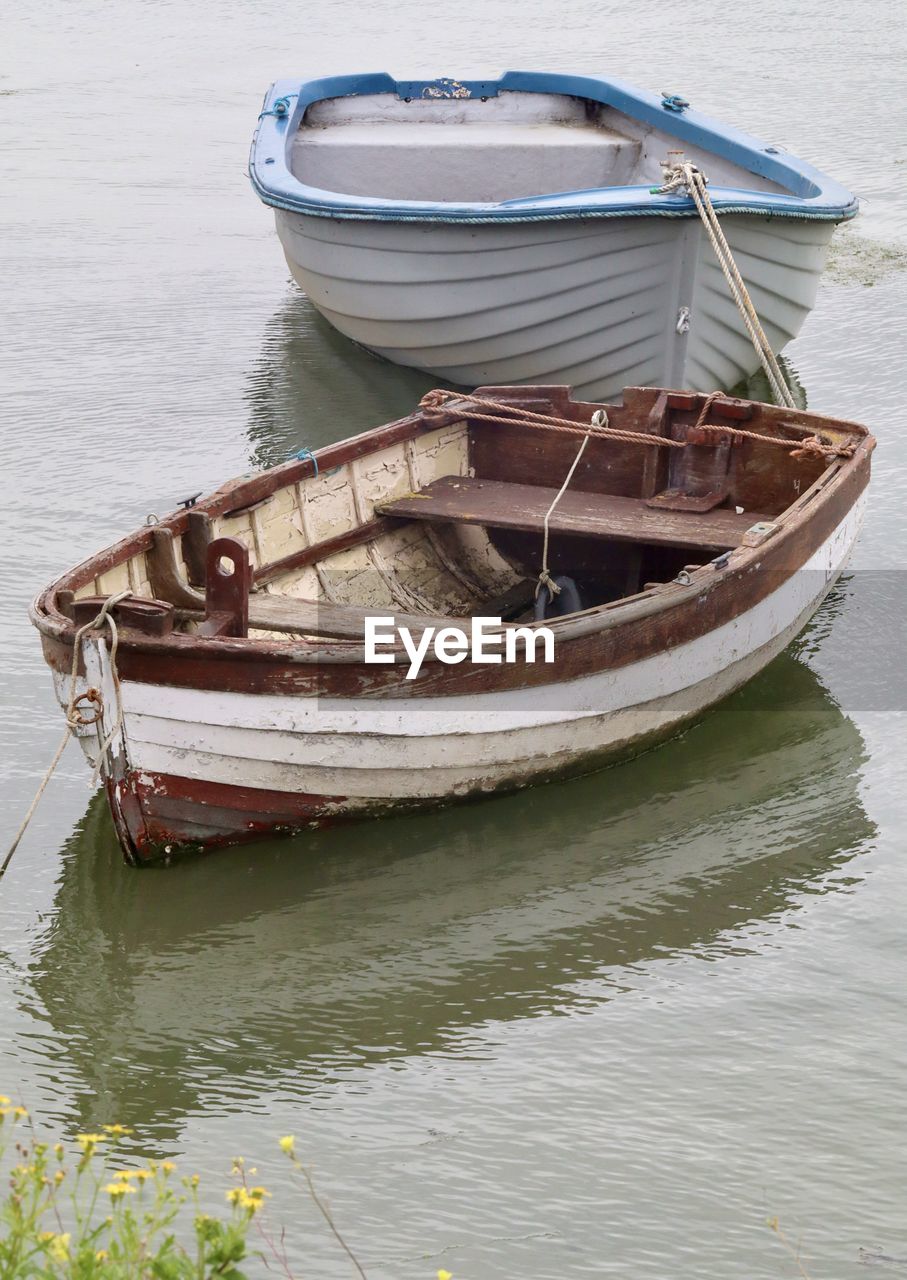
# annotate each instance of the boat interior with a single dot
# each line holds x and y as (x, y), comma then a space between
(509, 147)
(441, 516)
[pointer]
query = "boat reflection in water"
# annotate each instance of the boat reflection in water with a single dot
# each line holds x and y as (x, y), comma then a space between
(310, 386)
(288, 964)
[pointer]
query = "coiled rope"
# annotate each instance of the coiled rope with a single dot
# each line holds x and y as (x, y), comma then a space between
(687, 176)
(76, 717)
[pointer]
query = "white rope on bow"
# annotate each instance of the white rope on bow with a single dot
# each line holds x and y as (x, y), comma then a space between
(74, 716)
(691, 178)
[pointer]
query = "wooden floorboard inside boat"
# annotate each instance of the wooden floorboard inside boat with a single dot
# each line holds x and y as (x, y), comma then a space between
(323, 618)
(500, 505)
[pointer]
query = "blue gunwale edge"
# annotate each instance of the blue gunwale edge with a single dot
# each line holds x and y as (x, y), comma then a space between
(809, 193)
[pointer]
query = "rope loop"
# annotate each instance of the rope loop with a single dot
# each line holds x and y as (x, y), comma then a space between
(306, 455)
(815, 446)
(75, 716)
(281, 107)
(104, 617)
(546, 580)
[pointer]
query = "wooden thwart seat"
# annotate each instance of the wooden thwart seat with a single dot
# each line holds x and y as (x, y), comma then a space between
(500, 505)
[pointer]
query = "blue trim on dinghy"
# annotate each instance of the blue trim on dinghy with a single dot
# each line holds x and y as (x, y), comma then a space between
(808, 193)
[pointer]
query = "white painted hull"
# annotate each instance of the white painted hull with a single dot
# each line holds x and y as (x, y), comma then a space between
(403, 751)
(592, 304)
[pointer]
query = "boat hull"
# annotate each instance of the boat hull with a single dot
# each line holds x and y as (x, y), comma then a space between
(203, 768)
(594, 303)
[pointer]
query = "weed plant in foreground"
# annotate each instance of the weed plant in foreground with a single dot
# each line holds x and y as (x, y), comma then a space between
(75, 1214)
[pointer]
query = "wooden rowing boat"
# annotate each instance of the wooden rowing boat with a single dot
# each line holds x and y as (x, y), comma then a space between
(233, 696)
(519, 230)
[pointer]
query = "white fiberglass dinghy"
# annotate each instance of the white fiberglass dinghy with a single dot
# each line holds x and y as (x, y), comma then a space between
(513, 230)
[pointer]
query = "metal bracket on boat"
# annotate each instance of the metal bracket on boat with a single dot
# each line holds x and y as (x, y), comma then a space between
(186, 503)
(151, 617)
(228, 581)
(721, 562)
(756, 534)
(673, 102)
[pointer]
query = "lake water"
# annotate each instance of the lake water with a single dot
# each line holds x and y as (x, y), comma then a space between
(605, 1028)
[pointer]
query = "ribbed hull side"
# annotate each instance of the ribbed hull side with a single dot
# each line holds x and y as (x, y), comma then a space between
(591, 304)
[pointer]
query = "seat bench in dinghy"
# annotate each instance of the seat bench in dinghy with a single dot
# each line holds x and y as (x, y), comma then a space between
(697, 535)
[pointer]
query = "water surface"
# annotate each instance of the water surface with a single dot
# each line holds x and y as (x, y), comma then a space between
(601, 1028)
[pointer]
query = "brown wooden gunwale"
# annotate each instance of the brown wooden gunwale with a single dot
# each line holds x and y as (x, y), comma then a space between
(648, 622)
(663, 618)
(246, 491)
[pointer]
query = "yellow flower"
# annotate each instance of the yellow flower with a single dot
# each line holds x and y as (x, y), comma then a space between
(167, 1166)
(46, 1236)
(118, 1189)
(59, 1150)
(101, 1255)
(127, 1175)
(59, 1247)
(288, 1144)
(88, 1141)
(4, 1100)
(5, 1110)
(444, 1275)
(115, 1130)
(243, 1199)
(20, 1113)
(59, 1176)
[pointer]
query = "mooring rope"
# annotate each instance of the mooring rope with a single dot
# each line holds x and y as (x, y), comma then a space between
(691, 178)
(433, 403)
(74, 716)
(599, 419)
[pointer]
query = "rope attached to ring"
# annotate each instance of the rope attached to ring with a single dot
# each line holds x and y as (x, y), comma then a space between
(75, 715)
